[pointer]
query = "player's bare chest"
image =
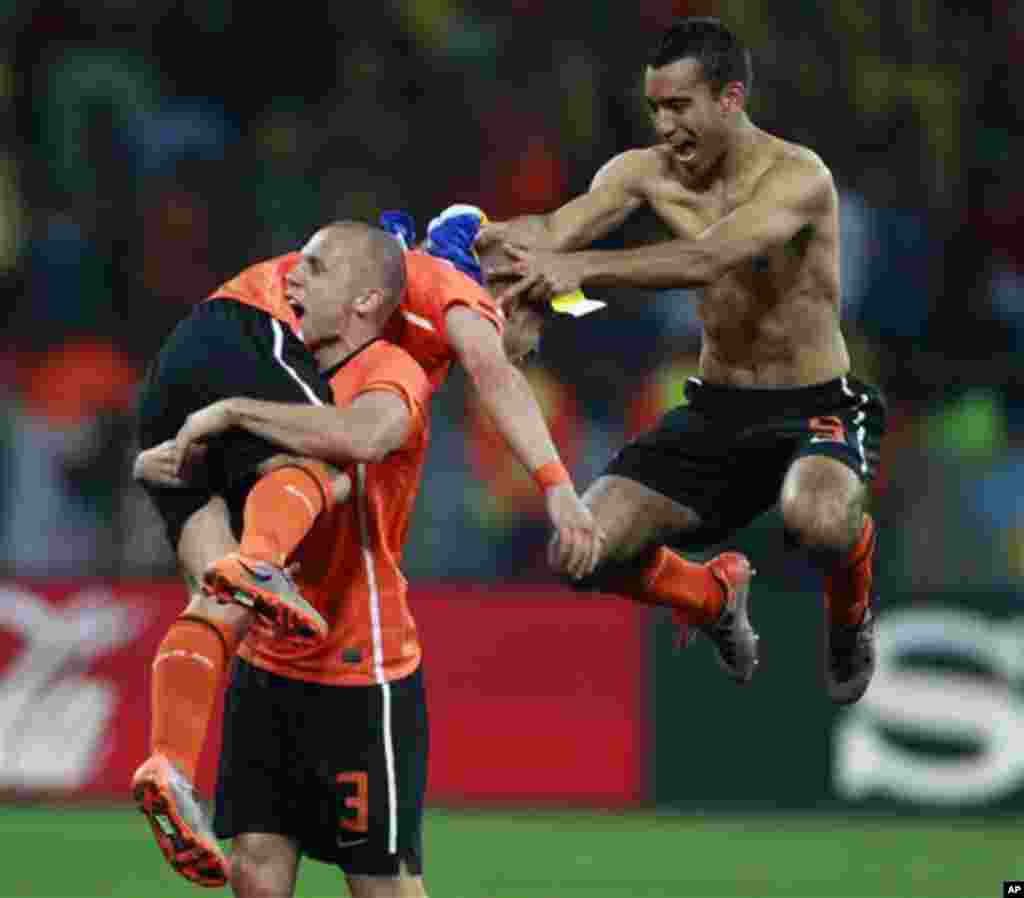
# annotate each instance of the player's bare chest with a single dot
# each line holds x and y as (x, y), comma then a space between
(688, 213)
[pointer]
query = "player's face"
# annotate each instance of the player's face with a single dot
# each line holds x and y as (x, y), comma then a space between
(687, 116)
(317, 289)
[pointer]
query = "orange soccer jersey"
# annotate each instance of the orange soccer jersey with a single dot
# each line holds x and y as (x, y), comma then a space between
(262, 285)
(435, 286)
(349, 562)
(418, 326)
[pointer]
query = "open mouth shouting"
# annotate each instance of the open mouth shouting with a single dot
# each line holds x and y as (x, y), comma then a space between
(685, 150)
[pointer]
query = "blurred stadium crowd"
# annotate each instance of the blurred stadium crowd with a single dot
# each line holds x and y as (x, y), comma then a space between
(153, 148)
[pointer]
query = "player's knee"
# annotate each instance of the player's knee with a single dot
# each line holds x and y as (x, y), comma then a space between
(251, 879)
(259, 872)
(824, 525)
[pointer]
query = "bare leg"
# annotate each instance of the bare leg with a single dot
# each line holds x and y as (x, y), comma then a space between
(635, 518)
(637, 522)
(264, 865)
(823, 510)
(822, 505)
(206, 537)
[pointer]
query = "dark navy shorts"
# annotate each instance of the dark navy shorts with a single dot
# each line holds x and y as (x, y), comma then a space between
(340, 769)
(726, 451)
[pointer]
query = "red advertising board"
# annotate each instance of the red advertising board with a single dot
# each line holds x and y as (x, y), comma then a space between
(534, 694)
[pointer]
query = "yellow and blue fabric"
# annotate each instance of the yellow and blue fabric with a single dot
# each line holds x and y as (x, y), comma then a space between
(451, 236)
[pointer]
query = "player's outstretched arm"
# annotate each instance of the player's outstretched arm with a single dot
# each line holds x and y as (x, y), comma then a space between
(375, 423)
(506, 395)
(791, 196)
(614, 195)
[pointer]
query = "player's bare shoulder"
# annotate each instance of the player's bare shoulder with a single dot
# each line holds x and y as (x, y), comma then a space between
(634, 171)
(799, 171)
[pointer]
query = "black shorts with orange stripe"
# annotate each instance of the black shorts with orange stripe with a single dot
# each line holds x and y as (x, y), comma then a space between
(223, 348)
(342, 770)
(726, 451)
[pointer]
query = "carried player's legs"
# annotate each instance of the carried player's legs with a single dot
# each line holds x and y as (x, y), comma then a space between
(637, 522)
(187, 677)
(823, 511)
(221, 349)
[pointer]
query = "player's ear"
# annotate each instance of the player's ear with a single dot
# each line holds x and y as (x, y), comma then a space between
(733, 97)
(370, 304)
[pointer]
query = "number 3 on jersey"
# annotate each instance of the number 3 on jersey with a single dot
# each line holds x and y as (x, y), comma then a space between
(356, 783)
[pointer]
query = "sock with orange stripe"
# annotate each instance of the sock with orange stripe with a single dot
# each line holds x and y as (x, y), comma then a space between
(281, 509)
(848, 585)
(188, 676)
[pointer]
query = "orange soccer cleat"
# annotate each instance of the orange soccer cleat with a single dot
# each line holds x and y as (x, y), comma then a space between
(183, 833)
(271, 592)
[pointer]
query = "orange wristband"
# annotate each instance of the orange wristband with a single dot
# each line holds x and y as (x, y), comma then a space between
(551, 474)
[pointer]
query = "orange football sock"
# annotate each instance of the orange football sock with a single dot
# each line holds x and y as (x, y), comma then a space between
(188, 675)
(279, 511)
(848, 586)
(686, 586)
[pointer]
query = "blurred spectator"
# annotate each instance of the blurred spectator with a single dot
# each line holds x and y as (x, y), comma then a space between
(67, 449)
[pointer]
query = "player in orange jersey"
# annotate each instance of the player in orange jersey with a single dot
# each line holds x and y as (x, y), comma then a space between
(325, 748)
(445, 316)
(242, 340)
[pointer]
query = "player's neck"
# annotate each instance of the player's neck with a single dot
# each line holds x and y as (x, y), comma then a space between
(744, 147)
(336, 351)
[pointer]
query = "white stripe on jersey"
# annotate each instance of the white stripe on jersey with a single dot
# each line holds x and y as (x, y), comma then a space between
(419, 321)
(378, 654)
(279, 355)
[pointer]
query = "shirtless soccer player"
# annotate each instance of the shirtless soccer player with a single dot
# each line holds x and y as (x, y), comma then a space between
(773, 415)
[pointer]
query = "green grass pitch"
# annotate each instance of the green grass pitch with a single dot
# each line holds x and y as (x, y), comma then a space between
(80, 853)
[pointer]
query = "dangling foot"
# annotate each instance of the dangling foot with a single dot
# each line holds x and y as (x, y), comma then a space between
(731, 634)
(271, 592)
(169, 802)
(851, 641)
(851, 655)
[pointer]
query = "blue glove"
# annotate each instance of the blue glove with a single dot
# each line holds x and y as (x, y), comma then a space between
(450, 236)
(400, 226)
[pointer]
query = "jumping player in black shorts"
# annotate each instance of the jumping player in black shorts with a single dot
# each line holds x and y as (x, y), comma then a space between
(773, 416)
